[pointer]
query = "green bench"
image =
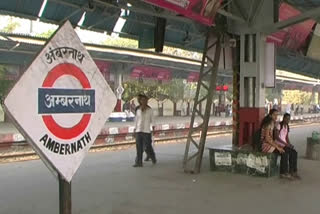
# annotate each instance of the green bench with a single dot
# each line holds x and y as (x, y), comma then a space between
(231, 159)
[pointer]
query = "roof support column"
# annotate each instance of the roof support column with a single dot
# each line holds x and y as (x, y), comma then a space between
(249, 109)
(252, 92)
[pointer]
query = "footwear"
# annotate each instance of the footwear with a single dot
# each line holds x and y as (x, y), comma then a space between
(154, 161)
(286, 176)
(137, 165)
(296, 176)
(147, 159)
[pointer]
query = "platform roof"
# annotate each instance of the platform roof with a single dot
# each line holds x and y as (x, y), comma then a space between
(102, 16)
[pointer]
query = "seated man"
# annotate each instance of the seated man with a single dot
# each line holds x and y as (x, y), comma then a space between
(282, 139)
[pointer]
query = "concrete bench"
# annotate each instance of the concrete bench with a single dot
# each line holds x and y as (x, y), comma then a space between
(230, 159)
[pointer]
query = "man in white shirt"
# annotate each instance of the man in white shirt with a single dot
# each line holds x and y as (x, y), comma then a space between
(143, 122)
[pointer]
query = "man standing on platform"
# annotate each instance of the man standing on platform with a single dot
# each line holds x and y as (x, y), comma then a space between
(143, 122)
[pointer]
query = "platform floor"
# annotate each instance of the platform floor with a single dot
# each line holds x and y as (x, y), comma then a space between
(106, 183)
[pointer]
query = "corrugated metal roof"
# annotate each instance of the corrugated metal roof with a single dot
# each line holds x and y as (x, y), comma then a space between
(101, 16)
(298, 64)
(58, 12)
(305, 4)
(27, 7)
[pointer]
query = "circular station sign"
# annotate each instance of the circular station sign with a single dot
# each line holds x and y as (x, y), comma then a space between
(66, 99)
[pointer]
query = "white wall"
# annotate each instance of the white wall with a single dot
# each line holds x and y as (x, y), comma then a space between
(167, 108)
(154, 105)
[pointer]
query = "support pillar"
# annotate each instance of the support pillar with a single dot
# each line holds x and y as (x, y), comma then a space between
(207, 82)
(313, 96)
(252, 92)
(236, 93)
(314, 102)
(119, 91)
(279, 90)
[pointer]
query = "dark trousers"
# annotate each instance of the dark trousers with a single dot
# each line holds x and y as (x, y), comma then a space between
(144, 142)
(293, 159)
(290, 156)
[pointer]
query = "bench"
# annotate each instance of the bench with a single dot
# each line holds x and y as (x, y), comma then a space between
(313, 149)
(232, 159)
(121, 117)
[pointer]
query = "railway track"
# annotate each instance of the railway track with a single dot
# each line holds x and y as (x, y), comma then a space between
(21, 156)
(31, 155)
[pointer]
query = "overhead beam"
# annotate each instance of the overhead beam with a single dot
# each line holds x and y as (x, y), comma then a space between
(69, 4)
(231, 16)
(105, 19)
(192, 42)
(241, 11)
(256, 11)
(310, 14)
(70, 15)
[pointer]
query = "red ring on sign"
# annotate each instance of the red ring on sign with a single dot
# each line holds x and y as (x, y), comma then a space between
(53, 75)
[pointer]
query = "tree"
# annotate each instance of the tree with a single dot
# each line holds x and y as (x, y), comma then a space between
(129, 93)
(189, 94)
(133, 88)
(121, 42)
(5, 86)
(11, 26)
(190, 90)
(296, 96)
(182, 53)
(46, 34)
(160, 94)
(305, 97)
(175, 91)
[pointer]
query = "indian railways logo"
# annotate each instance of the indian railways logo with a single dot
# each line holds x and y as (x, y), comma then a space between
(66, 101)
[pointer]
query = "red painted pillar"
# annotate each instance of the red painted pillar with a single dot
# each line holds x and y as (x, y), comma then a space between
(119, 91)
(118, 108)
(252, 91)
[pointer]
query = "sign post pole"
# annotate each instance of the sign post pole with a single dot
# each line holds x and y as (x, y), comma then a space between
(64, 196)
